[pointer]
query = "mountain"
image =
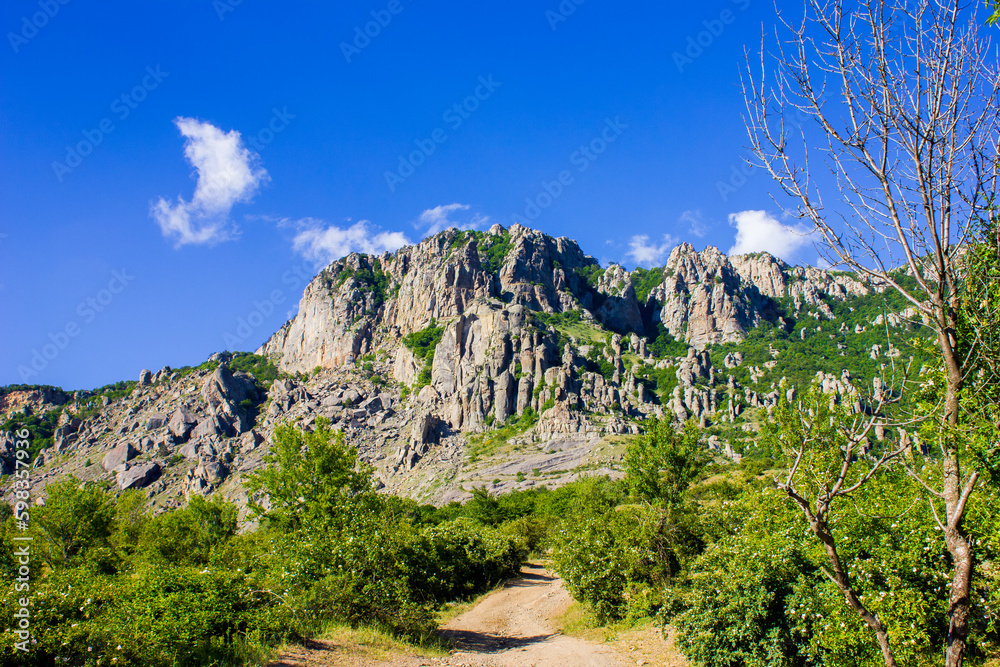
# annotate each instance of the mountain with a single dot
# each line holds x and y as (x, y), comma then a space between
(504, 358)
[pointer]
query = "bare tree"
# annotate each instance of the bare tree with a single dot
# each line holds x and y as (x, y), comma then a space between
(826, 447)
(904, 95)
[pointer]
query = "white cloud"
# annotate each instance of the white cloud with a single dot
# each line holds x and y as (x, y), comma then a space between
(325, 243)
(439, 218)
(227, 173)
(696, 225)
(756, 231)
(642, 252)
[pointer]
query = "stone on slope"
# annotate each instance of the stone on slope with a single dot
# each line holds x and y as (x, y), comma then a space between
(122, 453)
(138, 476)
(181, 423)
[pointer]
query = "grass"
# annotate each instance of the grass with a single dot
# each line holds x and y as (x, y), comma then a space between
(343, 645)
(453, 610)
(486, 444)
(642, 641)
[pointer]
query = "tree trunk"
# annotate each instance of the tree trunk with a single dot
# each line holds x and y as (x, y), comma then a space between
(961, 589)
(843, 582)
(955, 537)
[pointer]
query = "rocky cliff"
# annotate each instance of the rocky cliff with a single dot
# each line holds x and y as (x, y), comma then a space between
(507, 358)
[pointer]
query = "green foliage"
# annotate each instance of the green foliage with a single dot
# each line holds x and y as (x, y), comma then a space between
(565, 318)
(659, 381)
(369, 278)
(663, 344)
(590, 274)
(493, 251)
(484, 444)
(187, 536)
(74, 525)
(740, 608)
(645, 281)
(40, 427)
(261, 368)
(664, 462)
(462, 557)
(310, 477)
(422, 343)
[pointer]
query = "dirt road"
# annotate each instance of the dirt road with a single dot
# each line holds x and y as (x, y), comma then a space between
(514, 627)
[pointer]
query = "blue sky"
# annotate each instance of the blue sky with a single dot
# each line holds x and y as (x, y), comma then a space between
(172, 173)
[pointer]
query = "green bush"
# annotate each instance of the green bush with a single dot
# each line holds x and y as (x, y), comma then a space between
(463, 557)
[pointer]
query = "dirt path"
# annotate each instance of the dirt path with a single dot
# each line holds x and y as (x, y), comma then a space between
(514, 627)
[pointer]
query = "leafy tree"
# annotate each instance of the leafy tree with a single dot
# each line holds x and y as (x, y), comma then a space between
(188, 536)
(310, 479)
(76, 521)
(664, 462)
(822, 444)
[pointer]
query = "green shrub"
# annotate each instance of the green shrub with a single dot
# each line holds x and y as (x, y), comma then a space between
(464, 557)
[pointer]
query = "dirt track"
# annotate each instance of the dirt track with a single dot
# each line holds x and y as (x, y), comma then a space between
(514, 627)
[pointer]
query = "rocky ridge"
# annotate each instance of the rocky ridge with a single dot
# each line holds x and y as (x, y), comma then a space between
(542, 365)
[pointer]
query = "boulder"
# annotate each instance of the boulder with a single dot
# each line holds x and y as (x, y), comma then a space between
(122, 453)
(212, 472)
(373, 404)
(156, 420)
(425, 430)
(145, 377)
(211, 425)
(224, 392)
(139, 476)
(181, 423)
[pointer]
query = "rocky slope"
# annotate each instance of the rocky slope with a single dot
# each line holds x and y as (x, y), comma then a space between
(507, 358)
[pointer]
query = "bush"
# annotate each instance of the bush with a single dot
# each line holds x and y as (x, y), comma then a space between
(461, 558)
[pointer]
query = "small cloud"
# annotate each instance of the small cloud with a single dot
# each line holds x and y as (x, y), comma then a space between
(644, 253)
(823, 263)
(323, 243)
(439, 218)
(227, 173)
(756, 231)
(696, 225)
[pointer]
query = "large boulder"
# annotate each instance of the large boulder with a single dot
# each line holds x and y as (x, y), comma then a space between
(211, 425)
(156, 420)
(138, 476)
(181, 423)
(212, 472)
(122, 453)
(224, 392)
